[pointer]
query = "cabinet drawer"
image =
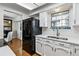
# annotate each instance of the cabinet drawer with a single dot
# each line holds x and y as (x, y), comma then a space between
(64, 44)
(61, 51)
(50, 41)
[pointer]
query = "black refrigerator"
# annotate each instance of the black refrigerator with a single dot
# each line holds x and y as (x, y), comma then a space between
(30, 29)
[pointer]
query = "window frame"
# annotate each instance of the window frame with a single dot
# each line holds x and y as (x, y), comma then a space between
(60, 27)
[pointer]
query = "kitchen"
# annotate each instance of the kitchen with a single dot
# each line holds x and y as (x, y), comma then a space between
(51, 29)
(61, 41)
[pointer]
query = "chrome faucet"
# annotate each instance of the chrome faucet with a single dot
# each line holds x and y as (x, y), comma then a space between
(57, 32)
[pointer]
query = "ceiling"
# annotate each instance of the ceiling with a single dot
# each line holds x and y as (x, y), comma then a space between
(16, 7)
(23, 7)
(61, 8)
(31, 6)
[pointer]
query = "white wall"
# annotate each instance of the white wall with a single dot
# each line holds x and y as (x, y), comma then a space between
(1, 23)
(13, 15)
(18, 26)
(71, 34)
(45, 8)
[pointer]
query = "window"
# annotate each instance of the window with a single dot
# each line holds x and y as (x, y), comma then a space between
(60, 20)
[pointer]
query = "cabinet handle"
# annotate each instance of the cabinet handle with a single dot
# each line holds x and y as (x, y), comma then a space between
(70, 53)
(75, 50)
(74, 21)
(55, 49)
(52, 48)
(41, 45)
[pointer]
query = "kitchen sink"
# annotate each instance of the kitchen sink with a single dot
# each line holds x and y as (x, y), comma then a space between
(58, 37)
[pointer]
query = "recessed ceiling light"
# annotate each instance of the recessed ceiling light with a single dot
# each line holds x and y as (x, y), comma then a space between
(57, 9)
(9, 22)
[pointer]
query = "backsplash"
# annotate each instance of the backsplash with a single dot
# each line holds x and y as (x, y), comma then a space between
(70, 34)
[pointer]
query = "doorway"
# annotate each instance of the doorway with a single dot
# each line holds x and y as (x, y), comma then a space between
(13, 28)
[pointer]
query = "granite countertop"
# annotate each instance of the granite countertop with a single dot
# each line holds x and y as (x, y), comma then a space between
(76, 42)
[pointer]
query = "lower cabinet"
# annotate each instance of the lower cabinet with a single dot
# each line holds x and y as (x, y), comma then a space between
(45, 47)
(48, 50)
(61, 51)
(76, 51)
(39, 48)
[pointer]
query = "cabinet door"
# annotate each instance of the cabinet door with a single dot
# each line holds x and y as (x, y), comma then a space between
(39, 48)
(61, 51)
(43, 19)
(48, 50)
(76, 51)
(76, 14)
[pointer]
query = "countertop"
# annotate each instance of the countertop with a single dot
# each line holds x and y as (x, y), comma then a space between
(6, 51)
(76, 42)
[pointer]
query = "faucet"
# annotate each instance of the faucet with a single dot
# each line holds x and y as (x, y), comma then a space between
(57, 32)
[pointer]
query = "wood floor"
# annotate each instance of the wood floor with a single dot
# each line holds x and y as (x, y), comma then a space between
(16, 46)
(24, 53)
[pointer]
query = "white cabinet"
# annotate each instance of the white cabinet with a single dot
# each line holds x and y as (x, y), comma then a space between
(39, 48)
(51, 47)
(61, 51)
(48, 50)
(76, 14)
(43, 17)
(76, 50)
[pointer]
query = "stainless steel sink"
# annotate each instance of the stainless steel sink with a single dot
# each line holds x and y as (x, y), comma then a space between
(58, 37)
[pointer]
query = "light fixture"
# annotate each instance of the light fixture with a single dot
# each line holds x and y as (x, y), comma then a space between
(57, 9)
(9, 22)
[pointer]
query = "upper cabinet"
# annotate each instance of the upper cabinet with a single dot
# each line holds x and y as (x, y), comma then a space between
(43, 17)
(76, 14)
